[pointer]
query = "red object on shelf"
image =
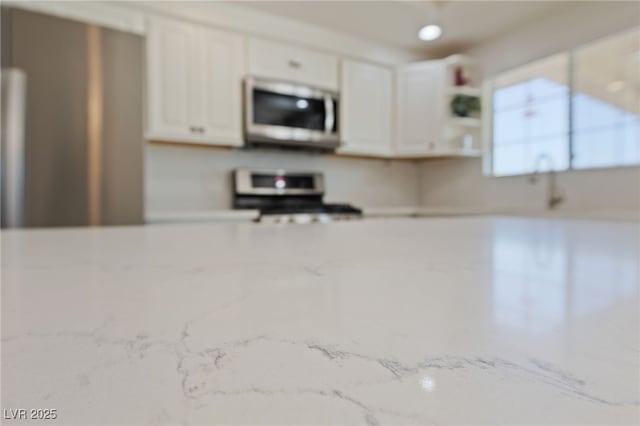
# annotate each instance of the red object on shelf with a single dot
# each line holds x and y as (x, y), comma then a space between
(459, 79)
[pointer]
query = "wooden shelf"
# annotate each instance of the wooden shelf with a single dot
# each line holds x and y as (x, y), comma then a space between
(464, 121)
(464, 90)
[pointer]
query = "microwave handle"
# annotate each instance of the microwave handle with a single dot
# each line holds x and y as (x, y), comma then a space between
(330, 114)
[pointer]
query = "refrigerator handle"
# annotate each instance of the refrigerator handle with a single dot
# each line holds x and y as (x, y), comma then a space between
(13, 148)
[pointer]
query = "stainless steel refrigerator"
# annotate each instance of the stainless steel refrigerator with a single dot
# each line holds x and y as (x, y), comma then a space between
(72, 126)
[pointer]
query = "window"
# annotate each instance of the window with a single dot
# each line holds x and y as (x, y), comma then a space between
(606, 118)
(548, 118)
(531, 118)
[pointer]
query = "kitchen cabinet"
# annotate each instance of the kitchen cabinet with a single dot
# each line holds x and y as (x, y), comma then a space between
(221, 86)
(366, 109)
(290, 63)
(418, 110)
(427, 124)
(194, 83)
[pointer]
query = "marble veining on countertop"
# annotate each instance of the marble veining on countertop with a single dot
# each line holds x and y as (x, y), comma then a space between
(476, 320)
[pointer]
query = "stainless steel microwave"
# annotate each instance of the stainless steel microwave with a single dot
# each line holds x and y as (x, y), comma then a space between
(286, 113)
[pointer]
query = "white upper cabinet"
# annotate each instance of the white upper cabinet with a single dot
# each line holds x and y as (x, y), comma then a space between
(366, 109)
(171, 56)
(221, 91)
(271, 60)
(289, 63)
(437, 110)
(316, 69)
(195, 93)
(194, 83)
(419, 109)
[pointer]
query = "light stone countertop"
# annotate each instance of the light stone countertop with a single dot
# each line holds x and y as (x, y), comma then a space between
(229, 215)
(466, 320)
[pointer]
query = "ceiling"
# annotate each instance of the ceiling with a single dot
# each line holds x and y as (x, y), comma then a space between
(465, 23)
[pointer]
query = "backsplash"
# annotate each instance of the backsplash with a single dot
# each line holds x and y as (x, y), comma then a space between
(194, 179)
(460, 183)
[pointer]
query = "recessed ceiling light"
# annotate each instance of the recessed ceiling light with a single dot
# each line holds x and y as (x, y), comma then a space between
(430, 32)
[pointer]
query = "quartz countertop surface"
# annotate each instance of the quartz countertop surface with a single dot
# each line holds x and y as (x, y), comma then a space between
(463, 320)
(229, 215)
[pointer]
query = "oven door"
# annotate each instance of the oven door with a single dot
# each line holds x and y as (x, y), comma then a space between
(285, 113)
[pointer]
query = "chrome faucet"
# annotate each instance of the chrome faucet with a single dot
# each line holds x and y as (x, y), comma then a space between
(553, 195)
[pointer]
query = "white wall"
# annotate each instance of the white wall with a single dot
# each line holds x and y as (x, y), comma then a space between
(460, 182)
(578, 23)
(192, 178)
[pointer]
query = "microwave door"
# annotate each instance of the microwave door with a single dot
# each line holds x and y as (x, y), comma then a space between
(277, 109)
(284, 113)
(329, 115)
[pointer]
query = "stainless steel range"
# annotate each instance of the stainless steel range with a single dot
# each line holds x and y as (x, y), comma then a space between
(287, 197)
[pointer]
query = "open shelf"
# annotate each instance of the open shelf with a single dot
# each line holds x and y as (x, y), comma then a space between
(465, 121)
(463, 90)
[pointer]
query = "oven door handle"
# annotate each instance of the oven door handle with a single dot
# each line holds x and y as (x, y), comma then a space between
(330, 114)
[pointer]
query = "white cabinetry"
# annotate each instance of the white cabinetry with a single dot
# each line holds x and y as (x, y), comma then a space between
(222, 71)
(427, 124)
(171, 60)
(290, 63)
(194, 86)
(194, 83)
(419, 109)
(366, 109)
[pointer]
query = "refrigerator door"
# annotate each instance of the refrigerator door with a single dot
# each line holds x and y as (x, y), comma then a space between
(84, 120)
(12, 148)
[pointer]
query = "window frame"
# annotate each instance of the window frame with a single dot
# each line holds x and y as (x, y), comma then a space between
(488, 118)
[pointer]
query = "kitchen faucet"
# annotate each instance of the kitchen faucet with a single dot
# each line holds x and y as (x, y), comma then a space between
(553, 196)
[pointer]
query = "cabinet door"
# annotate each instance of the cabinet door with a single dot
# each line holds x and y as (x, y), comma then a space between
(272, 60)
(419, 114)
(366, 109)
(289, 63)
(315, 68)
(219, 115)
(172, 74)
